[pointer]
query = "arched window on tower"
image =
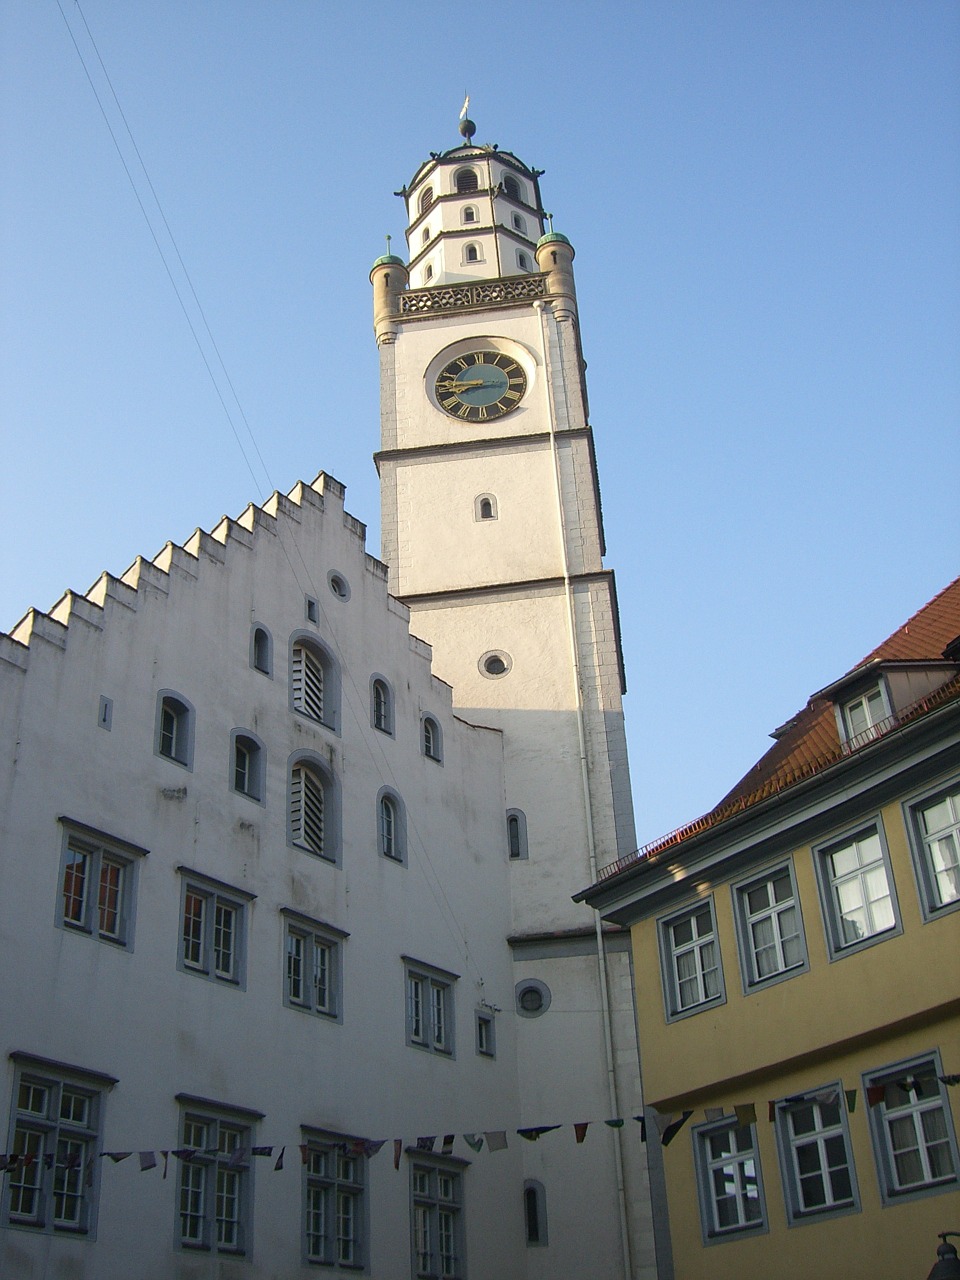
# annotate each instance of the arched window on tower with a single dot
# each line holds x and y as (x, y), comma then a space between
(519, 224)
(466, 180)
(485, 507)
(468, 213)
(471, 253)
(511, 187)
(427, 273)
(426, 199)
(426, 235)
(523, 261)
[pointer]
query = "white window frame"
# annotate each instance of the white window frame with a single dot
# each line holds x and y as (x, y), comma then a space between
(748, 920)
(436, 1217)
(431, 739)
(215, 1177)
(213, 936)
(739, 1169)
(247, 749)
(381, 705)
(486, 1032)
(56, 1117)
(860, 879)
(430, 1007)
(672, 949)
(862, 717)
(336, 1228)
(932, 902)
(918, 1108)
(829, 1132)
(312, 965)
(87, 912)
(395, 848)
(175, 729)
(473, 219)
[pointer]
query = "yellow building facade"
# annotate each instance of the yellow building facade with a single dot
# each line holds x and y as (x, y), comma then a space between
(797, 966)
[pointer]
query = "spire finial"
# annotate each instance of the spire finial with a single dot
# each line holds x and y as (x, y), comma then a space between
(389, 238)
(467, 127)
(549, 218)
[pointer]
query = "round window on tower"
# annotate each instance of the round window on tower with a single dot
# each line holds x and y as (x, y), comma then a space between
(495, 664)
(338, 585)
(533, 998)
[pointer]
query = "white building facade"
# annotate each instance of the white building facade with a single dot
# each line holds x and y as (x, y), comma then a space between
(289, 839)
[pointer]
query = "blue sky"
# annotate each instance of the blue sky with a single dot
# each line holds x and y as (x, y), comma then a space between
(764, 198)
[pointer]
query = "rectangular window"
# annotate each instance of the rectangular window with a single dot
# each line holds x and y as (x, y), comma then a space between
(214, 1190)
(97, 882)
(213, 929)
(486, 1035)
(312, 972)
(934, 826)
(770, 927)
(436, 1220)
(690, 960)
(334, 1223)
(856, 885)
(728, 1177)
(816, 1155)
(430, 1008)
(53, 1171)
(912, 1129)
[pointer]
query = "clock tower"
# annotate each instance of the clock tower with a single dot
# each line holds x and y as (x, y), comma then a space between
(492, 532)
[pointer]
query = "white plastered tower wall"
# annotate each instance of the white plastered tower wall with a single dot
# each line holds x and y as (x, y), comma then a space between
(528, 585)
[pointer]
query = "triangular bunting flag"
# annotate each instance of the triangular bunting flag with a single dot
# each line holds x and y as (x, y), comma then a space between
(671, 1131)
(581, 1130)
(712, 1113)
(279, 1161)
(614, 1124)
(397, 1152)
(746, 1113)
(447, 1145)
(473, 1140)
(851, 1097)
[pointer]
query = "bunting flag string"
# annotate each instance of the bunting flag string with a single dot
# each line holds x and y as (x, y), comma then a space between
(667, 1126)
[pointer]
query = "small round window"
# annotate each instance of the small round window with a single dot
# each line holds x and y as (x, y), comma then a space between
(533, 998)
(495, 664)
(339, 586)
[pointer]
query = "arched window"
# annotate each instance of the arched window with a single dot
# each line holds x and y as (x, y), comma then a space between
(391, 826)
(261, 651)
(426, 199)
(512, 187)
(313, 808)
(485, 507)
(432, 740)
(246, 765)
(523, 261)
(471, 253)
(519, 224)
(535, 1212)
(381, 705)
(428, 272)
(466, 180)
(314, 682)
(174, 728)
(468, 213)
(426, 234)
(516, 834)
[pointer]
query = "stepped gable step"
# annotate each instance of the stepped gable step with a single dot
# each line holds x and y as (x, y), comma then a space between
(35, 623)
(13, 652)
(254, 518)
(201, 543)
(228, 528)
(143, 573)
(173, 556)
(278, 504)
(107, 587)
(70, 606)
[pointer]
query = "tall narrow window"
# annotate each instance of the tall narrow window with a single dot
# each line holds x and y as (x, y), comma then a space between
(175, 721)
(306, 808)
(214, 1179)
(334, 1212)
(262, 651)
(436, 1220)
(381, 705)
(516, 834)
(388, 827)
(426, 199)
(314, 681)
(432, 744)
(535, 1212)
(247, 765)
(430, 1008)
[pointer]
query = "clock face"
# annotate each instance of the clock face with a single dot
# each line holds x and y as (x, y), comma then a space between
(480, 385)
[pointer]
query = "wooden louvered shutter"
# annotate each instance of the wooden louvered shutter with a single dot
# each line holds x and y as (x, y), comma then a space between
(306, 809)
(307, 683)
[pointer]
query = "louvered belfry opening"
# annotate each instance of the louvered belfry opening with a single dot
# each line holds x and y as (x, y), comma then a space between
(306, 808)
(307, 682)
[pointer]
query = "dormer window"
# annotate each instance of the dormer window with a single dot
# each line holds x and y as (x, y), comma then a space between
(863, 716)
(466, 180)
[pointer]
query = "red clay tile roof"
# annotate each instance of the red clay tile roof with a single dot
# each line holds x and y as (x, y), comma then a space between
(810, 741)
(812, 735)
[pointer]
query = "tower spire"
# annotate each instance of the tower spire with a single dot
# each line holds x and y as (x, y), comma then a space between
(467, 127)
